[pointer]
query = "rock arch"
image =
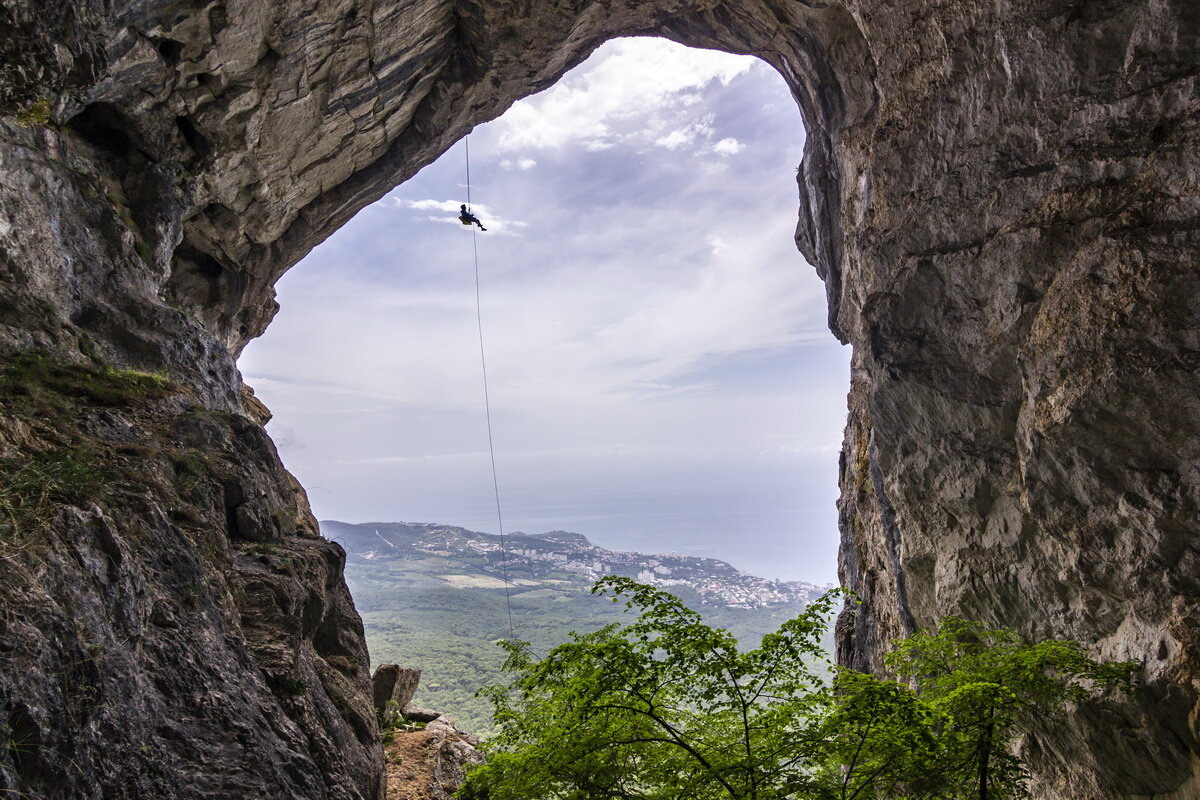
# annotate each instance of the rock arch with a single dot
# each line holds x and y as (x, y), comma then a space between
(1002, 199)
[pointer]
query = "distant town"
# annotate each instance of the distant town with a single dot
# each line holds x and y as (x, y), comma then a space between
(561, 555)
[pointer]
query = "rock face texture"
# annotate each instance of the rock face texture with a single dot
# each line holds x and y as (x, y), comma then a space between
(172, 625)
(1002, 199)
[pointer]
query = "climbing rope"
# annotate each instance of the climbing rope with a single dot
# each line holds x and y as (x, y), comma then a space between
(467, 148)
(487, 404)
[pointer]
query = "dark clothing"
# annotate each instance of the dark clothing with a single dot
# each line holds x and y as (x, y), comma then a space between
(467, 218)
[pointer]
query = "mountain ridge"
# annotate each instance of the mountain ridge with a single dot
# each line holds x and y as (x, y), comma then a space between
(535, 556)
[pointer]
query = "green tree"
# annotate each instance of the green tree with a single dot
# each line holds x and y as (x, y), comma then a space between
(668, 708)
(979, 687)
(877, 739)
(664, 707)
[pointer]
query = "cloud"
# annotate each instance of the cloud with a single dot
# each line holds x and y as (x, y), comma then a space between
(671, 325)
(639, 93)
(686, 134)
(522, 164)
(728, 147)
(451, 208)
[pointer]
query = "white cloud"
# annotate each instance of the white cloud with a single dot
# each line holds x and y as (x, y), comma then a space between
(738, 302)
(728, 147)
(674, 140)
(686, 134)
(521, 164)
(637, 93)
(451, 208)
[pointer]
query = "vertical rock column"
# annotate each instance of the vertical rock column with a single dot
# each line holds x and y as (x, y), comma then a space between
(1021, 282)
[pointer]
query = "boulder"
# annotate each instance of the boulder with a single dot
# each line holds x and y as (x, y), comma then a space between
(415, 713)
(454, 755)
(392, 683)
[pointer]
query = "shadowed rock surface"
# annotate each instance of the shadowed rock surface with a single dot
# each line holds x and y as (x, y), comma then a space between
(1001, 198)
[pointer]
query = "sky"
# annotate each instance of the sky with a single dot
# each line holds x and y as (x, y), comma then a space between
(660, 374)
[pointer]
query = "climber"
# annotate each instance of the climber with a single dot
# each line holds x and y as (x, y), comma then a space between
(466, 218)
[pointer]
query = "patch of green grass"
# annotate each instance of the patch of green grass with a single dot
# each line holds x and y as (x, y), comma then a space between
(50, 392)
(36, 113)
(52, 385)
(128, 384)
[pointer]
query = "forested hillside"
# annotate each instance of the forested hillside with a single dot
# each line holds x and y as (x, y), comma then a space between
(431, 599)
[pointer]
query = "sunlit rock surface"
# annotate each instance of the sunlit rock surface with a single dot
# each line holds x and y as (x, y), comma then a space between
(1001, 197)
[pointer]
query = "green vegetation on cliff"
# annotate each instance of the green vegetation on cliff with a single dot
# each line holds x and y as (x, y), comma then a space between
(46, 461)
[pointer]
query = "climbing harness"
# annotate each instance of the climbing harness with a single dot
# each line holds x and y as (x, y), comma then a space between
(487, 404)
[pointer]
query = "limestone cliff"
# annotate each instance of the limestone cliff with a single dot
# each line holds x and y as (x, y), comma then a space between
(1001, 198)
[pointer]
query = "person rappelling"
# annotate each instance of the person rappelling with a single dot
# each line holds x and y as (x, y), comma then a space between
(466, 218)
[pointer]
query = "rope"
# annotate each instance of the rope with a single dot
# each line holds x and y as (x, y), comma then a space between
(467, 144)
(487, 404)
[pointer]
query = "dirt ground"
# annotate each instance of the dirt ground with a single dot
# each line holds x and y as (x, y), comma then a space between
(410, 760)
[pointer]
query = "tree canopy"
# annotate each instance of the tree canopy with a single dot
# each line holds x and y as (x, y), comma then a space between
(669, 708)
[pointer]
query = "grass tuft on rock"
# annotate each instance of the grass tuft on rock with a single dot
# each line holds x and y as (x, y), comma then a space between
(55, 385)
(31, 487)
(36, 113)
(63, 468)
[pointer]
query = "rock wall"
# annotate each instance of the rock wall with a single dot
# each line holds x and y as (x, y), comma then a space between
(1001, 198)
(1021, 282)
(172, 625)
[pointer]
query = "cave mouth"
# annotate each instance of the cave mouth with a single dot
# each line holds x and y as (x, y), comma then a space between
(660, 371)
(661, 375)
(256, 172)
